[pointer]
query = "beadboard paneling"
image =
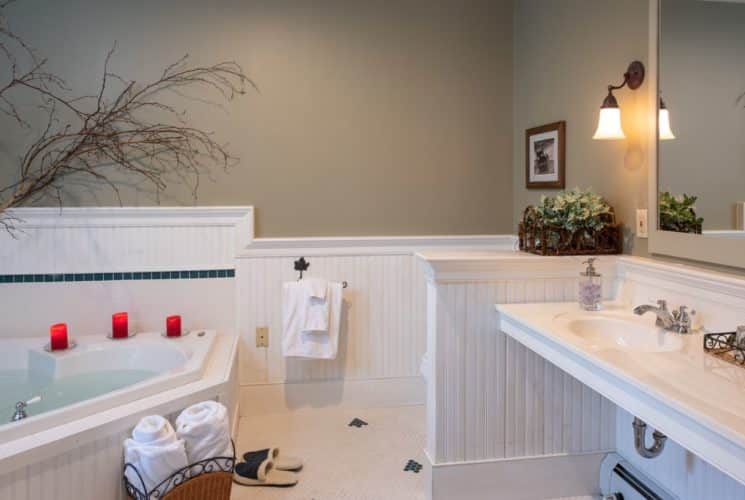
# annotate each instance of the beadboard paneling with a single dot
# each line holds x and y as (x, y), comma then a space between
(492, 397)
(382, 334)
(124, 239)
(96, 464)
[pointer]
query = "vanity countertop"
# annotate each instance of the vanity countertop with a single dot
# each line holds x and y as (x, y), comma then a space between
(693, 397)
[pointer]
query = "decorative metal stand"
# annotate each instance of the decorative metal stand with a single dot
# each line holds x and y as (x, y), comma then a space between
(70, 345)
(110, 336)
(217, 470)
(183, 334)
(724, 346)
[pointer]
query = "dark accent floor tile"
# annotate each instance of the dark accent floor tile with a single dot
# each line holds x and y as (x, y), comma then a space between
(357, 423)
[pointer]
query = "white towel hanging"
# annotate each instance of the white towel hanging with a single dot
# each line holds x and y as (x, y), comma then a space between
(296, 340)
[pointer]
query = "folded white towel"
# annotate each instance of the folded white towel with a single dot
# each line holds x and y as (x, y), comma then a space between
(155, 451)
(317, 307)
(315, 287)
(205, 429)
(298, 342)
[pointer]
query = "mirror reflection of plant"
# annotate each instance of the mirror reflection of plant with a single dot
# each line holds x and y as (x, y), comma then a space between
(575, 210)
(678, 213)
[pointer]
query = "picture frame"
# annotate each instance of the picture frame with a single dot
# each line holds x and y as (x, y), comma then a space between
(545, 156)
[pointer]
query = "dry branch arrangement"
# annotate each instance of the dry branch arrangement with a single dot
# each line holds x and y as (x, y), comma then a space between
(126, 127)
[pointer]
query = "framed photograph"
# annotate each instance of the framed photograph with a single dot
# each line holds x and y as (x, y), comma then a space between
(544, 157)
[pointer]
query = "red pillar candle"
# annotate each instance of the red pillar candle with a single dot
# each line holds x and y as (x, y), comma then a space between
(58, 337)
(173, 326)
(120, 325)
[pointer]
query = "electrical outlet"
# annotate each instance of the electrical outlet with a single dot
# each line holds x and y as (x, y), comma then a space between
(642, 229)
(262, 336)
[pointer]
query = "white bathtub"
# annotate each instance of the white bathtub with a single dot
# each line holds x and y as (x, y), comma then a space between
(97, 375)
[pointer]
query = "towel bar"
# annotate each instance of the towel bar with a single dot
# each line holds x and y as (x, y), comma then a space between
(302, 265)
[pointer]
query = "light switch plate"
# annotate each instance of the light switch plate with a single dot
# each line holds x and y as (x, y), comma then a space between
(642, 229)
(262, 336)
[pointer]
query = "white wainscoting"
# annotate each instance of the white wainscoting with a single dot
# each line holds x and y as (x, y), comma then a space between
(28, 309)
(383, 327)
(107, 240)
(488, 396)
(61, 476)
(69, 240)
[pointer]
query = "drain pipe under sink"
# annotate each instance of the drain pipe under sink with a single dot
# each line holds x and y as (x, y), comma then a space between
(640, 434)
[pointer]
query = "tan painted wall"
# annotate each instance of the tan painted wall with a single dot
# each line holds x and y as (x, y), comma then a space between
(565, 54)
(374, 118)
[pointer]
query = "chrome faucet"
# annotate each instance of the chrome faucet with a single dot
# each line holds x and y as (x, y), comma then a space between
(20, 413)
(678, 321)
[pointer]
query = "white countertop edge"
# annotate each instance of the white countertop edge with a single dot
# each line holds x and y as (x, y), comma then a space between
(722, 447)
(21, 452)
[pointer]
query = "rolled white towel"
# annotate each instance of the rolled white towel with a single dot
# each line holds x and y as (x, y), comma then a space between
(155, 450)
(204, 427)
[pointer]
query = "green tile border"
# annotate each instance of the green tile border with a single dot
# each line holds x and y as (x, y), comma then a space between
(118, 276)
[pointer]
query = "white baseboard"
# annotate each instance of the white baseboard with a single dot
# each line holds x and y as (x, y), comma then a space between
(278, 398)
(530, 478)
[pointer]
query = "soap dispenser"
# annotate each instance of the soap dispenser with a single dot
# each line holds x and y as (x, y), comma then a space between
(590, 287)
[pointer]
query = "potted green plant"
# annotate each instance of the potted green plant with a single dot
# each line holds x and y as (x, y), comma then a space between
(678, 213)
(576, 222)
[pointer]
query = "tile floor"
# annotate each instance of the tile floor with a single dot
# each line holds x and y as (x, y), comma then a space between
(364, 462)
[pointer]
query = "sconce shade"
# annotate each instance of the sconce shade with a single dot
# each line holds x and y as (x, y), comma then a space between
(609, 122)
(663, 123)
(609, 125)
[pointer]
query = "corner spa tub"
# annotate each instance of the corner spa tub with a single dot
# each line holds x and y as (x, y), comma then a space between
(96, 375)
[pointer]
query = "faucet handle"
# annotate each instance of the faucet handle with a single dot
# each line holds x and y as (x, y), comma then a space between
(684, 319)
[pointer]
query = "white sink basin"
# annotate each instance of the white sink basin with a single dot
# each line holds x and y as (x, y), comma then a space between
(619, 331)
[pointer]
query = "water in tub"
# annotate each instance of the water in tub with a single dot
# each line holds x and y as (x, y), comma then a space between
(22, 385)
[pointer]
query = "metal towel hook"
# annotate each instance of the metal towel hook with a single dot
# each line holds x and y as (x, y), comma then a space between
(302, 265)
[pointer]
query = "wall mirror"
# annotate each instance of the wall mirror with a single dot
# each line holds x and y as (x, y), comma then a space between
(699, 189)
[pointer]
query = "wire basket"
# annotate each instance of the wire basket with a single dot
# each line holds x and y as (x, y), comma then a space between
(725, 346)
(210, 479)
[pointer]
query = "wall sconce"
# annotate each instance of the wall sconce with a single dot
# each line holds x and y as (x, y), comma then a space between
(609, 121)
(663, 123)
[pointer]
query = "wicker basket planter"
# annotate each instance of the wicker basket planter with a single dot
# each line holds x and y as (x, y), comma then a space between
(542, 239)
